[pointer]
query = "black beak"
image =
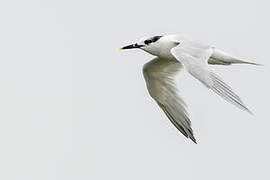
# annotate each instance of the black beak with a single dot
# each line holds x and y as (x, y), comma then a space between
(132, 46)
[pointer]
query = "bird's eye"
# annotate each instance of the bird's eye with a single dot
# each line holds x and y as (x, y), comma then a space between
(148, 41)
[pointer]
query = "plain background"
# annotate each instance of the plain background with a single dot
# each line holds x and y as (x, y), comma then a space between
(75, 107)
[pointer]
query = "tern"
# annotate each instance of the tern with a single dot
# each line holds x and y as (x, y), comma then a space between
(177, 52)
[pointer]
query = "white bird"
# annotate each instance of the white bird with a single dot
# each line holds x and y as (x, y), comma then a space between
(174, 53)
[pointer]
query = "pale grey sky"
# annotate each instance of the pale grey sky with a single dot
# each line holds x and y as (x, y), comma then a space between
(75, 107)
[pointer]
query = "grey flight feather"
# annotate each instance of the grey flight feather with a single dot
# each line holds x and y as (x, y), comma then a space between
(194, 56)
(159, 76)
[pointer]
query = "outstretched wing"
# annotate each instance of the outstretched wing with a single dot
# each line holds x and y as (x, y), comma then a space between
(159, 74)
(194, 56)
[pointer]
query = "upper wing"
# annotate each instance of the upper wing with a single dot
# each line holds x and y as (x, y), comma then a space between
(194, 56)
(158, 75)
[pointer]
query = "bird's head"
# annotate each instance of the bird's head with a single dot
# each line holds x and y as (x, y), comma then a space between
(156, 45)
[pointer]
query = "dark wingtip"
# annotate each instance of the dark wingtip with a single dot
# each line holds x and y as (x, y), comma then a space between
(193, 139)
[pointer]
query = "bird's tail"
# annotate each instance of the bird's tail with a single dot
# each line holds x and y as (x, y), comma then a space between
(221, 58)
